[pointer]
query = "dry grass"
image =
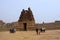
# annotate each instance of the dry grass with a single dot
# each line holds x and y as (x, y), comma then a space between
(30, 35)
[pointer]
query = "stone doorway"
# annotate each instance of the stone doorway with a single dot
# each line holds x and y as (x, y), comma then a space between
(25, 26)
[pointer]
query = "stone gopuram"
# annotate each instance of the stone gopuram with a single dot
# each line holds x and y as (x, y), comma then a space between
(26, 20)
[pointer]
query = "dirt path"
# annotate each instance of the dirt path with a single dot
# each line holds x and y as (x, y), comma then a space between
(30, 35)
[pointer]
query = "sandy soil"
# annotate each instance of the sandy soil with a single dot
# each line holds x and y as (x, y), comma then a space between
(30, 35)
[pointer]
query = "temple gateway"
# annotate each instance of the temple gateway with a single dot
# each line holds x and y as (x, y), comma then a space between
(26, 20)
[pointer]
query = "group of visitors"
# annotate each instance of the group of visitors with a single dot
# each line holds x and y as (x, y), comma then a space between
(38, 31)
(12, 30)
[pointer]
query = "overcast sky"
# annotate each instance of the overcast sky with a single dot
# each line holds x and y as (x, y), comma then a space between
(43, 10)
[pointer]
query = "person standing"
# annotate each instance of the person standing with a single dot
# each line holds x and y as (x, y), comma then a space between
(37, 31)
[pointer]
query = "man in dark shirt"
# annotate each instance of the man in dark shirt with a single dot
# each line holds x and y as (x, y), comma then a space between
(37, 31)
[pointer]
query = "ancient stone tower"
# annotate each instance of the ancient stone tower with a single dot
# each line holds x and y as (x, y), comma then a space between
(26, 20)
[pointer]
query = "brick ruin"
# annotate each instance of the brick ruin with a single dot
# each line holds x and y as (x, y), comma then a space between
(26, 20)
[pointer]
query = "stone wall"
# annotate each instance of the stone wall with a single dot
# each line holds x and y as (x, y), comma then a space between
(49, 26)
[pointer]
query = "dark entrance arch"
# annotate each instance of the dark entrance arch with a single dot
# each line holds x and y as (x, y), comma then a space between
(25, 26)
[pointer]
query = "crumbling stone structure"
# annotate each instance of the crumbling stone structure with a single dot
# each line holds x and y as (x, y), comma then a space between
(26, 20)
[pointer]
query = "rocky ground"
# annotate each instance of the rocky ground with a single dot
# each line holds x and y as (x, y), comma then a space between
(30, 35)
